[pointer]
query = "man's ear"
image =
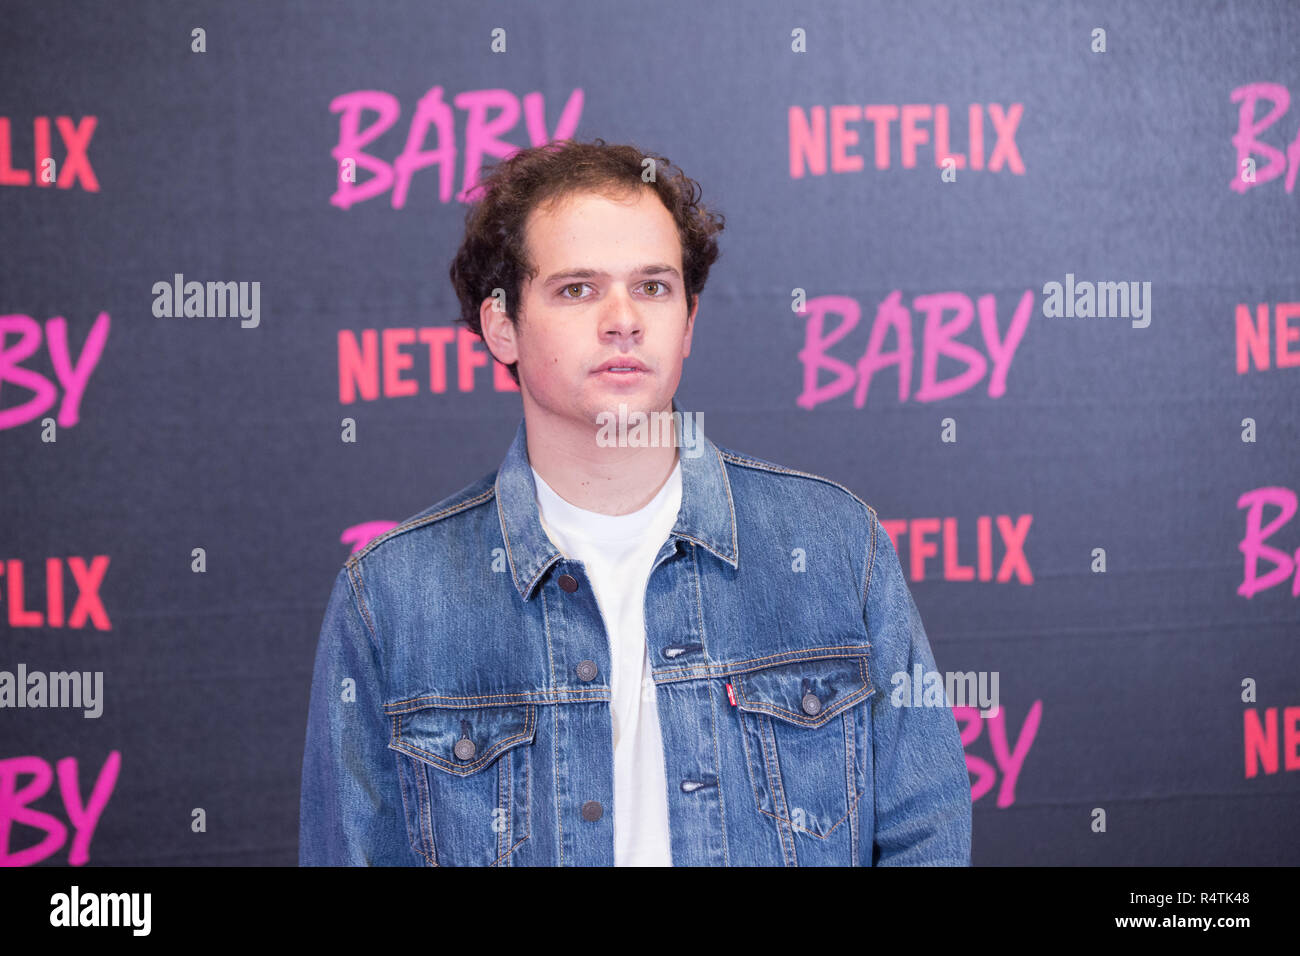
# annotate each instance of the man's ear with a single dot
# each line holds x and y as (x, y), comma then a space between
(498, 332)
(690, 326)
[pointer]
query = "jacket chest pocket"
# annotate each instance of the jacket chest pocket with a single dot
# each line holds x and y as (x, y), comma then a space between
(466, 781)
(803, 725)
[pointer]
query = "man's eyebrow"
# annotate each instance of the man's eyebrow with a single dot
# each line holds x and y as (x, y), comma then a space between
(654, 268)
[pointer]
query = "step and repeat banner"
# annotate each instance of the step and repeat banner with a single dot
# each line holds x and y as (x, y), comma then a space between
(1023, 276)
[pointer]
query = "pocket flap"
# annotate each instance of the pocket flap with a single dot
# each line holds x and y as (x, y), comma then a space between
(807, 693)
(462, 740)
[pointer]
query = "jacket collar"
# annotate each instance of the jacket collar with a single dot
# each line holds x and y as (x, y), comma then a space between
(707, 515)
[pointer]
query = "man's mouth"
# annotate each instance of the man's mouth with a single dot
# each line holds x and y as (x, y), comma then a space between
(616, 367)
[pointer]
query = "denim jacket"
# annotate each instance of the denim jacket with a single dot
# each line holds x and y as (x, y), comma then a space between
(460, 705)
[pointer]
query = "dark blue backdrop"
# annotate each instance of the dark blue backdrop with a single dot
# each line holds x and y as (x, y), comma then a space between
(1157, 685)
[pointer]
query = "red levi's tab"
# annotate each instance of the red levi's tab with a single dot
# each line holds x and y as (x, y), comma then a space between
(731, 694)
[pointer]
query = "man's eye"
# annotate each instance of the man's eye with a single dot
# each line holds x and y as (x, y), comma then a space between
(657, 289)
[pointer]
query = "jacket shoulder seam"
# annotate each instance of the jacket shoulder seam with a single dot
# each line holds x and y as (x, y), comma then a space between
(353, 569)
(760, 465)
(422, 520)
(353, 563)
(872, 519)
(873, 524)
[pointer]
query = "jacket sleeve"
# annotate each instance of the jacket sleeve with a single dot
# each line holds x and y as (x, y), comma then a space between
(922, 789)
(351, 808)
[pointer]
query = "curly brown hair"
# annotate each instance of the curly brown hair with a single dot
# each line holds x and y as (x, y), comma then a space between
(493, 254)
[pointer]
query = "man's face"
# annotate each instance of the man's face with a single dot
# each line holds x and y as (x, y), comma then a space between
(608, 287)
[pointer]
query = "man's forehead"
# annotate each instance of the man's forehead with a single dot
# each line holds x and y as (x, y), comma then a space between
(565, 204)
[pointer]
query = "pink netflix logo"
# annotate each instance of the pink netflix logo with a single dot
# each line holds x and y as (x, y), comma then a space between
(819, 143)
(482, 138)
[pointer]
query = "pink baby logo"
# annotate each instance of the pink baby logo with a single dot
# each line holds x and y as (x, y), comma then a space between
(1008, 757)
(1248, 175)
(71, 373)
(482, 138)
(1254, 549)
(360, 535)
(83, 816)
(947, 315)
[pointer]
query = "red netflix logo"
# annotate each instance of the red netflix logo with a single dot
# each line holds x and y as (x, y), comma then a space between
(86, 578)
(376, 365)
(1252, 337)
(920, 547)
(812, 138)
(1262, 744)
(76, 164)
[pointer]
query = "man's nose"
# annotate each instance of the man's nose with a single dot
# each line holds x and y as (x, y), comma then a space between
(621, 315)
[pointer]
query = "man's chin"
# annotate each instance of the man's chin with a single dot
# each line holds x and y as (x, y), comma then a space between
(620, 408)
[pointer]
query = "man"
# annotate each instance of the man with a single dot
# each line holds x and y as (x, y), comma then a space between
(626, 646)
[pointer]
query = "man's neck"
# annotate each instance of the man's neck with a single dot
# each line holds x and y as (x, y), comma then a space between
(608, 481)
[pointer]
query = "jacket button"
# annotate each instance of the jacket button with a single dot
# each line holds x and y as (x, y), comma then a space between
(811, 705)
(587, 670)
(569, 583)
(592, 810)
(465, 748)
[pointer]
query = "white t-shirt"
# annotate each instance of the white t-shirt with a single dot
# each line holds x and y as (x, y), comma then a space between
(618, 551)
